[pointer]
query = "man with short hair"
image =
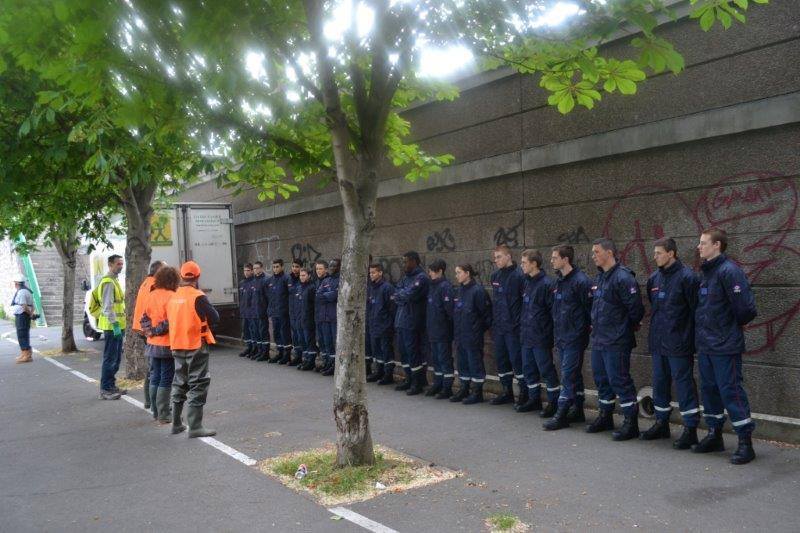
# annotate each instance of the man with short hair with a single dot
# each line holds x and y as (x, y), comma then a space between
(295, 313)
(138, 310)
(617, 311)
(572, 306)
(672, 291)
(725, 305)
(328, 296)
(245, 311)
(278, 311)
(536, 336)
(380, 316)
(259, 298)
(112, 323)
(439, 326)
(321, 325)
(410, 296)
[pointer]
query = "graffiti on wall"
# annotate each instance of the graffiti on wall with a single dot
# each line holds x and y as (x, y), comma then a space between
(509, 236)
(306, 252)
(441, 241)
(574, 236)
(759, 207)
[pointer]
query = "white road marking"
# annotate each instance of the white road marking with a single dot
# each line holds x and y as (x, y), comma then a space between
(227, 450)
(361, 520)
(58, 364)
(133, 401)
(83, 376)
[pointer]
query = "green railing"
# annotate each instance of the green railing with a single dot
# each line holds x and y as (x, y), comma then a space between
(33, 284)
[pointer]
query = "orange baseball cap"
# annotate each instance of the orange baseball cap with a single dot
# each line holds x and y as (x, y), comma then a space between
(190, 270)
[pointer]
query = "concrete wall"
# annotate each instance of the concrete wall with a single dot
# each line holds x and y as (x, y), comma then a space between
(718, 145)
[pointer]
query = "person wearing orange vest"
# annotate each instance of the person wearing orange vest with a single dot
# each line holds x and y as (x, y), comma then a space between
(189, 313)
(155, 328)
(141, 302)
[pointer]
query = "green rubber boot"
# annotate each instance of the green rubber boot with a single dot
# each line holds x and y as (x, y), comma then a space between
(153, 404)
(195, 419)
(162, 404)
(177, 423)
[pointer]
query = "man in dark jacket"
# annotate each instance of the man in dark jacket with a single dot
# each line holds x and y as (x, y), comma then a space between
(259, 297)
(293, 286)
(278, 311)
(725, 306)
(472, 316)
(245, 312)
(672, 291)
(572, 306)
(380, 316)
(507, 282)
(617, 311)
(439, 325)
(305, 296)
(327, 297)
(410, 296)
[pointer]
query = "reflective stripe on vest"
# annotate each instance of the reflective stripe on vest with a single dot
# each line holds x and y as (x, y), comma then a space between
(119, 305)
(156, 310)
(186, 330)
(141, 302)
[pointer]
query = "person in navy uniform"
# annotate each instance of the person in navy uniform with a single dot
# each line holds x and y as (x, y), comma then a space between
(327, 297)
(380, 316)
(305, 295)
(321, 329)
(617, 312)
(245, 312)
(572, 307)
(292, 286)
(536, 336)
(507, 282)
(472, 317)
(439, 325)
(278, 311)
(259, 295)
(725, 305)
(410, 297)
(672, 292)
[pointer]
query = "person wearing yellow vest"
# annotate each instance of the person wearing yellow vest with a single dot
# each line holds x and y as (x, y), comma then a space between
(138, 310)
(189, 313)
(112, 322)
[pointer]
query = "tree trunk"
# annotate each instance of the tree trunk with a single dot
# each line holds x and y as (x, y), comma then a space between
(354, 442)
(67, 250)
(137, 202)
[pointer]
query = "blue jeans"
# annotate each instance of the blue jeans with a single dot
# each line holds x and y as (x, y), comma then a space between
(508, 358)
(442, 359)
(409, 342)
(571, 377)
(112, 354)
(162, 370)
(538, 364)
(612, 375)
(665, 369)
(721, 386)
(470, 365)
(22, 322)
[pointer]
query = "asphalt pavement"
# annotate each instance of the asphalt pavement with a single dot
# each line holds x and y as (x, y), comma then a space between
(70, 462)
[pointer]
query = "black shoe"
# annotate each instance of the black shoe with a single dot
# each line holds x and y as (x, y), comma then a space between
(262, 355)
(295, 361)
(375, 376)
(462, 393)
(629, 429)
(405, 385)
(533, 404)
(445, 393)
(687, 439)
(330, 368)
(523, 397)
(559, 421)
(387, 379)
(283, 357)
(712, 442)
(744, 452)
(576, 414)
(474, 397)
(246, 351)
(434, 390)
(603, 422)
(659, 430)
(416, 384)
(506, 397)
(550, 410)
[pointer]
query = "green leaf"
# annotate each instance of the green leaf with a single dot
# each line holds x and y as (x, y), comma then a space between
(741, 3)
(566, 103)
(61, 11)
(725, 18)
(25, 127)
(50, 115)
(707, 20)
(610, 85)
(626, 86)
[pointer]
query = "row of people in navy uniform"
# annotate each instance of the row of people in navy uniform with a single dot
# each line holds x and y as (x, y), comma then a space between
(530, 313)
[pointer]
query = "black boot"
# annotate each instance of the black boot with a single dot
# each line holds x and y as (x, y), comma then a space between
(603, 422)
(744, 452)
(417, 379)
(476, 396)
(285, 356)
(576, 414)
(254, 352)
(309, 364)
(368, 366)
(377, 375)
(629, 429)
(330, 369)
(195, 418)
(687, 439)
(506, 397)
(463, 392)
(712, 442)
(434, 389)
(273, 360)
(559, 421)
(263, 355)
(177, 422)
(405, 385)
(388, 377)
(523, 396)
(445, 393)
(659, 430)
(533, 404)
(248, 349)
(550, 410)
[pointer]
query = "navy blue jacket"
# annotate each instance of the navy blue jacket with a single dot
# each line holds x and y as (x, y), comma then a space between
(245, 310)
(259, 296)
(327, 296)
(672, 292)
(278, 295)
(507, 298)
(617, 309)
(439, 312)
(725, 305)
(572, 308)
(292, 286)
(411, 295)
(304, 297)
(380, 308)
(536, 322)
(472, 315)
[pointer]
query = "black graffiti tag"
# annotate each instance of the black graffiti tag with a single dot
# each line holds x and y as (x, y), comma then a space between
(508, 236)
(441, 242)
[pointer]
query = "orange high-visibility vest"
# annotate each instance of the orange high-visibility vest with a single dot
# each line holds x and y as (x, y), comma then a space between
(141, 302)
(156, 309)
(186, 330)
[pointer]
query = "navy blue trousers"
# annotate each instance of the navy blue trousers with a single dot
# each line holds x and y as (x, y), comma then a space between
(22, 322)
(470, 365)
(571, 377)
(381, 348)
(721, 387)
(508, 358)
(281, 333)
(681, 369)
(326, 337)
(259, 333)
(410, 345)
(442, 360)
(162, 370)
(537, 364)
(612, 375)
(112, 353)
